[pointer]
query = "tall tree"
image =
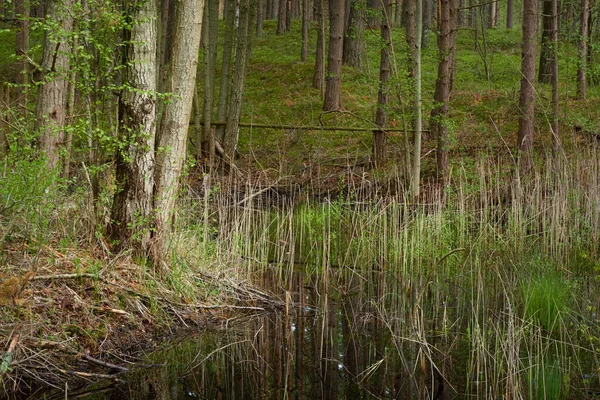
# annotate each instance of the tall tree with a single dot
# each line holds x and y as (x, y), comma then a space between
(51, 106)
(260, 17)
(242, 53)
(417, 101)
(282, 17)
(527, 94)
(381, 118)
(510, 5)
(427, 16)
(132, 207)
(172, 138)
(354, 37)
(22, 8)
(210, 63)
(226, 67)
(448, 24)
(555, 94)
(305, 26)
(547, 51)
(319, 74)
(333, 81)
(583, 50)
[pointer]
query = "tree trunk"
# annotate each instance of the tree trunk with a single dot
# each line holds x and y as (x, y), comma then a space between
(427, 15)
(260, 16)
(509, 13)
(132, 206)
(282, 17)
(4, 120)
(373, 13)
(547, 52)
(354, 38)
(210, 64)
(333, 82)
(527, 95)
(305, 26)
(319, 74)
(225, 67)
(22, 47)
(172, 138)
(583, 50)
(381, 118)
(398, 13)
(242, 53)
(409, 25)
(555, 94)
(493, 14)
(448, 22)
(51, 107)
(417, 102)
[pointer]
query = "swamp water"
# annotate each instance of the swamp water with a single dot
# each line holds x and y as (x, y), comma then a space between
(383, 301)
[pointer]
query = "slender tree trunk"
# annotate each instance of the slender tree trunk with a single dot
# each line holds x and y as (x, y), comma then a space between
(409, 24)
(132, 206)
(70, 115)
(172, 138)
(555, 94)
(373, 13)
(225, 68)
(381, 118)
(51, 107)
(583, 50)
(448, 22)
(547, 52)
(427, 15)
(319, 74)
(417, 102)
(509, 13)
(305, 26)
(4, 120)
(242, 53)
(398, 13)
(493, 14)
(210, 63)
(527, 95)
(260, 16)
(333, 82)
(282, 17)
(22, 47)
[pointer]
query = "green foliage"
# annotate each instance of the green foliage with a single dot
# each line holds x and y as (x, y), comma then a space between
(547, 381)
(547, 300)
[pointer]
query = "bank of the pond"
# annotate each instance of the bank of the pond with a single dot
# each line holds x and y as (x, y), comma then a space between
(70, 318)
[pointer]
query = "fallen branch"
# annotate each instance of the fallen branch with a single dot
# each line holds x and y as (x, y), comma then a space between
(92, 375)
(45, 344)
(8, 356)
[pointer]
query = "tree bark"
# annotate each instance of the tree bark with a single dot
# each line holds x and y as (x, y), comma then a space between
(583, 50)
(448, 23)
(354, 38)
(527, 94)
(260, 16)
(333, 81)
(319, 74)
(510, 6)
(132, 207)
(210, 63)
(555, 94)
(51, 107)
(242, 53)
(22, 8)
(282, 17)
(172, 138)
(547, 52)
(417, 102)
(225, 67)
(427, 15)
(381, 118)
(305, 26)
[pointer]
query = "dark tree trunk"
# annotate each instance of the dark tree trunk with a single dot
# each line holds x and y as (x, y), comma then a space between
(427, 15)
(583, 50)
(305, 26)
(555, 94)
(547, 51)
(333, 82)
(398, 12)
(260, 16)
(381, 118)
(510, 6)
(354, 38)
(225, 68)
(282, 17)
(210, 63)
(373, 13)
(527, 94)
(448, 22)
(319, 74)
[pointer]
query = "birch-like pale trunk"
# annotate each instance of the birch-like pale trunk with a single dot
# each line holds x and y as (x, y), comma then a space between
(172, 137)
(132, 206)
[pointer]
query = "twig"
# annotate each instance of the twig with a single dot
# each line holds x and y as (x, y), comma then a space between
(45, 344)
(92, 375)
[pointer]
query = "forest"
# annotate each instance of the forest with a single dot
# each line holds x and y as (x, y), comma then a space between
(369, 199)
